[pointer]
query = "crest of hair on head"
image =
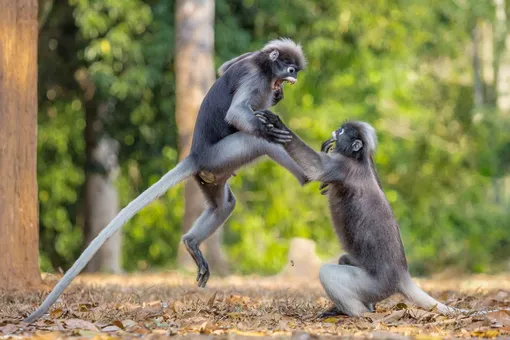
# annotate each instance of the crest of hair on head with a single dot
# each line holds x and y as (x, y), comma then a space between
(367, 134)
(289, 47)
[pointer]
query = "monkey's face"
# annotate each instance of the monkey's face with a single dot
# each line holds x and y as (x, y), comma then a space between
(284, 69)
(346, 141)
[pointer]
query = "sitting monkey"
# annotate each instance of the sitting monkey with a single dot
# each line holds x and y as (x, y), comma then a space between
(374, 266)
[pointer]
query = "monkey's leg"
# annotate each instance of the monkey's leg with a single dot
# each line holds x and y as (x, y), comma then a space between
(348, 260)
(240, 148)
(221, 203)
(350, 288)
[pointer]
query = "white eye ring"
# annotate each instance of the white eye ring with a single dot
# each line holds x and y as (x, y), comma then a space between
(341, 132)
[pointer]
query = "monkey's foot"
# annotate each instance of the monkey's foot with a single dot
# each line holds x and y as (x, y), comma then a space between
(203, 267)
(207, 177)
(332, 311)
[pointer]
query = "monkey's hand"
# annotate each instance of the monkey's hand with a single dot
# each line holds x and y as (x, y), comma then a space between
(271, 120)
(277, 95)
(269, 131)
(324, 188)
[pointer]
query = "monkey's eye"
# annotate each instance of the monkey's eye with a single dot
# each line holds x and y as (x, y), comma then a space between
(291, 70)
(341, 132)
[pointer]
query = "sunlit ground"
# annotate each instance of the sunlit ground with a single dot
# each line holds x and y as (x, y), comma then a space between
(163, 305)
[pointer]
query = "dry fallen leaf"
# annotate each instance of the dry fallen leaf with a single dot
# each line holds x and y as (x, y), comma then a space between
(118, 324)
(375, 316)
(400, 306)
(141, 330)
(331, 320)
(84, 307)
(80, 324)
(421, 315)
(178, 307)
(207, 328)
(127, 324)
(110, 329)
(56, 313)
(501, 316)
(210, 303)
(394, 316)
(489, 333)
(154, 304)
(8, 329)
(238, 299)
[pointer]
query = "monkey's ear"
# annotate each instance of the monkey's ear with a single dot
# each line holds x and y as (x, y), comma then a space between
(357, 145)
(274, 55)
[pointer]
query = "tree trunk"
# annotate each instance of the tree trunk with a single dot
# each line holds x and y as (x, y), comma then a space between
(194, 72)
(502, 77)
(102, 205)
(19, 227)
(478, 85)
(101, 199)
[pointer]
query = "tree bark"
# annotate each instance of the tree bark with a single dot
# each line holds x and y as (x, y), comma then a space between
(502, 78)
(194, 72)
(102, 205)
(19, 227)
(100, 197)
(478, 85)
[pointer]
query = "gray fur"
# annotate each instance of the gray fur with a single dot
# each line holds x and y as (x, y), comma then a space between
(375, 266)
(240, 114)
(225, 66)
(226, 137)
(287, 45)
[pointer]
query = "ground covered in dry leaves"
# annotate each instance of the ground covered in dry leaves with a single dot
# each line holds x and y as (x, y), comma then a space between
(165, 305)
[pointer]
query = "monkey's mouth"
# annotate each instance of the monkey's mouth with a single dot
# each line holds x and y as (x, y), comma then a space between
(278, 83)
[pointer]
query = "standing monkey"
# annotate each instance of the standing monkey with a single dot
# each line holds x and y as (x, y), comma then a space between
(227, 136)
(374, 266)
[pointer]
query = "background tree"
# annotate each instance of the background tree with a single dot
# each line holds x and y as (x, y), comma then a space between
(19, 232)
(194, 75)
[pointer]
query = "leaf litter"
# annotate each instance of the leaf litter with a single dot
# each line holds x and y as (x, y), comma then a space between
(169, 305)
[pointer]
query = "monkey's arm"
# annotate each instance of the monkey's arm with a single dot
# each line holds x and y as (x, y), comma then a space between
(241, 115)
(317, 166)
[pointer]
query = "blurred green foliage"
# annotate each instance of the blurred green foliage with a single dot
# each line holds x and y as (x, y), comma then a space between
(400, 65)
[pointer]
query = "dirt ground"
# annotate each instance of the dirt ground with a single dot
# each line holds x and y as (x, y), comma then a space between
(169, 304)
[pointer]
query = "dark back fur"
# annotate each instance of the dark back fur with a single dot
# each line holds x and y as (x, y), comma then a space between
(211, 126)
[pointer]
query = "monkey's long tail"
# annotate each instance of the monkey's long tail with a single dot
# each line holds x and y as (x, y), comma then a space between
(182, 171)
(415, 294)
